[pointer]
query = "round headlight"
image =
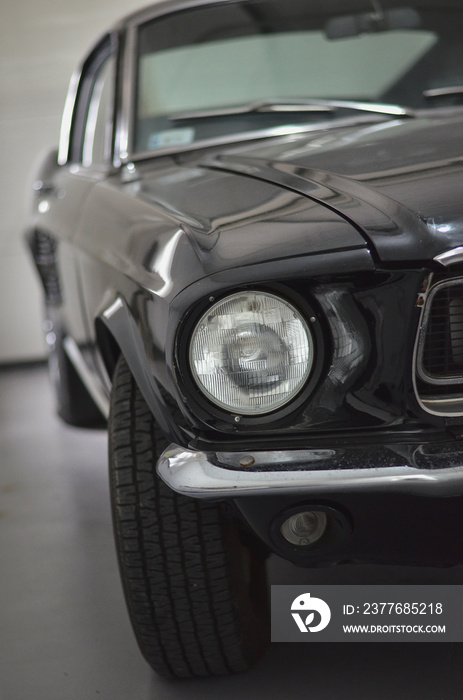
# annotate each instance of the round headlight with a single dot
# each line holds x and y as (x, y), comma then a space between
(251, 353)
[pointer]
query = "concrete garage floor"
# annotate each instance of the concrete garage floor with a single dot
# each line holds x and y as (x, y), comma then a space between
(64, 632)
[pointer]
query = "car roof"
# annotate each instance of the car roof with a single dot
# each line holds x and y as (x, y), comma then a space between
(163, 7)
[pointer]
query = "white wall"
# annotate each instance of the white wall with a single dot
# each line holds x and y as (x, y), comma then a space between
(40, 45)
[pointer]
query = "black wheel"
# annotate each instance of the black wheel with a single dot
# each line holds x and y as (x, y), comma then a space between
(194, 581)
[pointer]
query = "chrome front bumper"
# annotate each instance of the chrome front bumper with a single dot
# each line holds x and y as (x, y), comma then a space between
(427, 470)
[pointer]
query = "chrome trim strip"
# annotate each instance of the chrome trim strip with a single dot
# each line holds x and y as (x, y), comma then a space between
(450, 257)
(66, 121)
(128, 95)
(192, 474)
(89, 378)
(422, 297)
(444, 407)
(458, 400)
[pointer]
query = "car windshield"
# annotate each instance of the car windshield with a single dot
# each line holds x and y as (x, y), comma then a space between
(238, 68)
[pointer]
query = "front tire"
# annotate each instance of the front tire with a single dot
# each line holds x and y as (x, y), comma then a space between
(194, 581)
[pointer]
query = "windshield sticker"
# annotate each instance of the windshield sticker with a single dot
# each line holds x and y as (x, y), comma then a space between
(171, 138)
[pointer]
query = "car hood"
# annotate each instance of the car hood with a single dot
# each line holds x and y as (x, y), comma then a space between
(233, 222)
(400, 182)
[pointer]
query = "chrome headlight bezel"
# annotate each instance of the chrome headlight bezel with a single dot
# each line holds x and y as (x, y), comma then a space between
(215, 409)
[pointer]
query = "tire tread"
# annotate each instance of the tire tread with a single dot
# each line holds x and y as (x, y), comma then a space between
(177, 556)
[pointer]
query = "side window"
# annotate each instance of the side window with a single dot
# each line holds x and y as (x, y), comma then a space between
(92, 121)
(96, 147)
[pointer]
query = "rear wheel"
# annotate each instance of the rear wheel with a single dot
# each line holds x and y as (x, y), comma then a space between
(194, 580)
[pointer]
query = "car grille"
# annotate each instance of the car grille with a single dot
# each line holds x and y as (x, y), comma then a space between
(442, 356)
(440, 349)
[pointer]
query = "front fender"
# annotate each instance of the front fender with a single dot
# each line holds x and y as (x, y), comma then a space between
(119, 321)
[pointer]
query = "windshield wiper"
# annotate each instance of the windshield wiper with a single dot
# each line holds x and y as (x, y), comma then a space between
(295, 106)
(444, 91)
(263, 106)
(375, 107)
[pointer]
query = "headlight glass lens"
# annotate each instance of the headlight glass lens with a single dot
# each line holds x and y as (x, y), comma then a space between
(251, 353)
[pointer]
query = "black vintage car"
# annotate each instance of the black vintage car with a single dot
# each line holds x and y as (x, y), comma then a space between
(251, 248)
